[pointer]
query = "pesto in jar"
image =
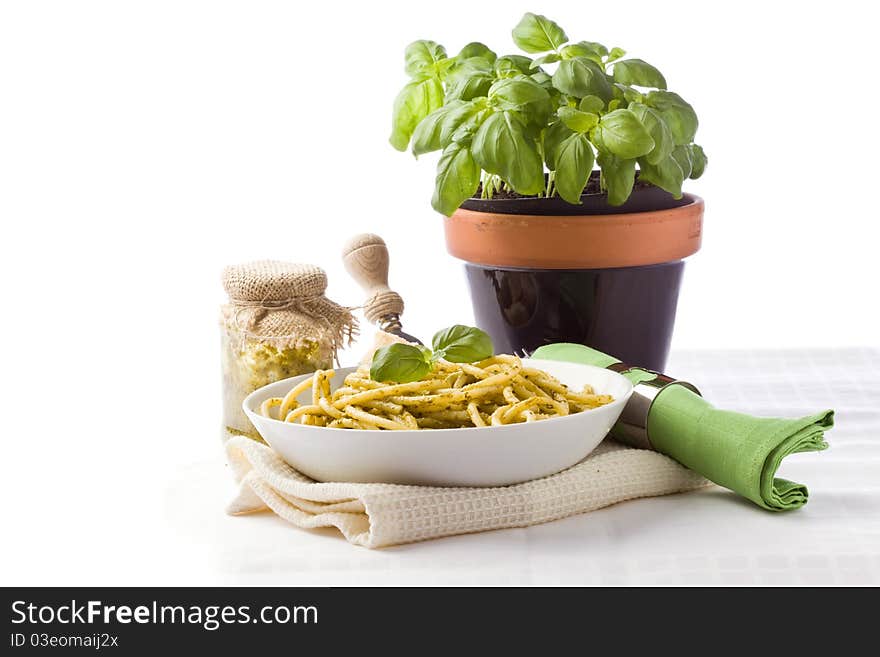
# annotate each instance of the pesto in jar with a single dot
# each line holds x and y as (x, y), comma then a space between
(277, 324)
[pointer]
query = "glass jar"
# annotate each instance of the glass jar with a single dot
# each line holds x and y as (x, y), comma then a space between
(277, 324)
(250, 363)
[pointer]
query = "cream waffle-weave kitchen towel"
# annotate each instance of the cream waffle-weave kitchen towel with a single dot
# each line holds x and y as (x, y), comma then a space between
(378, 515)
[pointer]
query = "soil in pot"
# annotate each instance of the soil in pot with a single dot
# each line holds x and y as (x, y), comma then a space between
(645, 197)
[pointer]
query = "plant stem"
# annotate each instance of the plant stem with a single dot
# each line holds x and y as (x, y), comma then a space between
(496, 184)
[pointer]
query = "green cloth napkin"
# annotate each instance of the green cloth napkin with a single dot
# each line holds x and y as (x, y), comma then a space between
(740, 452)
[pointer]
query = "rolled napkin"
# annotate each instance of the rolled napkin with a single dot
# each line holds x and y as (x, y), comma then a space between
(378, 515)
(738, 451)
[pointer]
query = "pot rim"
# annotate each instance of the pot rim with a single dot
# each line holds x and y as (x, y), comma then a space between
(601, 241)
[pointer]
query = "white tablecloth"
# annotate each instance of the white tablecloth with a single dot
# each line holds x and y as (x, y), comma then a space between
(706, 537)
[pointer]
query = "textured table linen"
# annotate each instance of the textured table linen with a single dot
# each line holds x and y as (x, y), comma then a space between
(378, 515)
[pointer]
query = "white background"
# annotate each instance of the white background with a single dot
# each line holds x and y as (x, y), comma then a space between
(144, 145)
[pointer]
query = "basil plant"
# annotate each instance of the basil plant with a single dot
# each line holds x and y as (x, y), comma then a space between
(499, 122)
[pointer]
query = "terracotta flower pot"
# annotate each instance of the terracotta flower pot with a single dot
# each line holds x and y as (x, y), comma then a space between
(606, 277)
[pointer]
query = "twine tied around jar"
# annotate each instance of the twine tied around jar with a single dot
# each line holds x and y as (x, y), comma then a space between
(284, 304)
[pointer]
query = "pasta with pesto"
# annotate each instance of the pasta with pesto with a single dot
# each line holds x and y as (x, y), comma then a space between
(496, 391)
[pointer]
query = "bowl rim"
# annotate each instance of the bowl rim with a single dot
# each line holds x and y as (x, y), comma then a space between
(618, 401)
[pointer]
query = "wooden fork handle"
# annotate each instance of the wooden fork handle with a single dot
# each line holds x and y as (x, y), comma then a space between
(366, 259)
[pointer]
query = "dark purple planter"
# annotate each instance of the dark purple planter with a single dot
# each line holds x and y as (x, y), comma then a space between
(628, 312)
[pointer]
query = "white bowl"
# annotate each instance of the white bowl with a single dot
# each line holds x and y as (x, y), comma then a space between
(484, 456)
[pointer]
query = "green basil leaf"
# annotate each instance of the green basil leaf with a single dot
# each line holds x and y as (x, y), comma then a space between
(554, 135)
(501, 147)
(516, 93)
(574, 163)
(591, 104)
(535, 33)
(698, 160)
(510, 66)
(469, 116)
(444, 66)
(468, 66)
(589, 49)
(427, 135)
(416, 100)
(458, 177)
(536, 116)
(622, 134)
(678, 114)
(527, 98)
(436, 130)
(656, 125)
(462, 344)
(421, 56)
(399, 363)
(593, 46)
(628, 94)
(578, 121)
(638, 72)
(468, 88)
(615, 54)
(667, 174)
(618, 177)
(471, 78)
(477, 49)
(549, 58)
(581, 77)
(682, 155)
(543, 79)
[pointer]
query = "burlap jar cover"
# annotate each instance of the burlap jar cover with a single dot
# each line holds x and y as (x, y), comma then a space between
(278, 323)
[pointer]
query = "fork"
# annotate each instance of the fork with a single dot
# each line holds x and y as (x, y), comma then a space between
(366, 259)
